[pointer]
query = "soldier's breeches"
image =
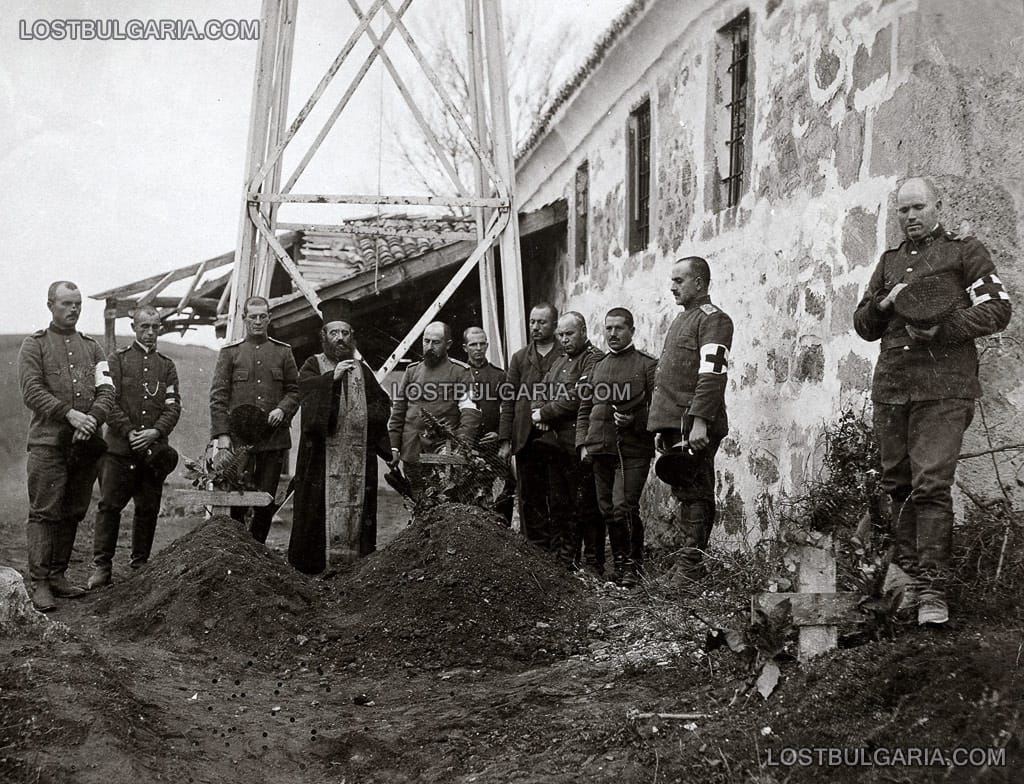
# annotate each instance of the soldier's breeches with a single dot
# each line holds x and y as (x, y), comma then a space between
(58, 498)
(619, 484)
(265, 470)
(121, 480)
(919, 444)
(534, 515)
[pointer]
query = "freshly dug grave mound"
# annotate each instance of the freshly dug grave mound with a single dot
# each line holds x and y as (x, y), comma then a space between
(215, 585)
(456, 588)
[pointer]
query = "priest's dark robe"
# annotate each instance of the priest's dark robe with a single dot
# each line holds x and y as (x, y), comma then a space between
(344, 424)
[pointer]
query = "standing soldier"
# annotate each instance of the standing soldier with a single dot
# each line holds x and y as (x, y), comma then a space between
(66, 383)
(440, 386)
(689, 403)
(261, 372)
(570, 482)
(612, 432)
(487, 383)
(926, 380)
(519, 433)
(138, 458)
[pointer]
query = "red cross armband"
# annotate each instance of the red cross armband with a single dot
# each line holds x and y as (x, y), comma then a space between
(987, 288)
(101, 374)
(714, 358)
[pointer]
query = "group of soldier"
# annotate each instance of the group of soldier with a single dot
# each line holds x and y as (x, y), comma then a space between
(583, 425)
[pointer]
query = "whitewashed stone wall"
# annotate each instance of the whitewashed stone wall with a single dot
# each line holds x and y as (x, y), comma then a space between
(849, 98)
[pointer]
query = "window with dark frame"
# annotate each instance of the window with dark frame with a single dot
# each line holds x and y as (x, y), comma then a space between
(639, 181)
(738, 34)
(582, 212)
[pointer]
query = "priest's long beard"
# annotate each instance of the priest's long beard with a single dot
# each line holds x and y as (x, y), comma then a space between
(337, 353)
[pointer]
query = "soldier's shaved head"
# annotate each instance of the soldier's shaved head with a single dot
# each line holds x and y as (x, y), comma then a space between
(146, 310)
(437, 338)
(434, 326)
(57, 285)
(927, 183)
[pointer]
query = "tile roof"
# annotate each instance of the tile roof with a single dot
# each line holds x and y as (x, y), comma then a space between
(330, 257)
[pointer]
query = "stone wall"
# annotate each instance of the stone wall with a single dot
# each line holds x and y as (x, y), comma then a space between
(849, 98)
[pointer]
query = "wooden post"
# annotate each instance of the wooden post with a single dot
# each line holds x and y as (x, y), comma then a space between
(817, 574)
(488, 286)
(109, 326)
(511, 263)
(259, 120)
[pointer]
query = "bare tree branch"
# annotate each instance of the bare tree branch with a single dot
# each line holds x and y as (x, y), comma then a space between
(532, 67)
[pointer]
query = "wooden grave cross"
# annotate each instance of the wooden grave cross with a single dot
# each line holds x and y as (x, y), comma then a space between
(818, 608)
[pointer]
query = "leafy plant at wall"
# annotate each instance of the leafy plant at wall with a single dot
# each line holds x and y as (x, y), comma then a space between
(848, 486)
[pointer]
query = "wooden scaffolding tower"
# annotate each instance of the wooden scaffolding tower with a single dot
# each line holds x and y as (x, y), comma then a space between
(486, 131)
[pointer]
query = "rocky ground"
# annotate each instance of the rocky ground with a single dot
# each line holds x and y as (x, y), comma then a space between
(457, 653)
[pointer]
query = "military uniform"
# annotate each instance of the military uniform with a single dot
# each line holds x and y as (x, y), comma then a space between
(488, 383)
(259, 372)
(621, 381)
(572, 499)
(526, 368)
(691, 381)
(443, 391)
(147, 397)
(59, 370)
(924, 392)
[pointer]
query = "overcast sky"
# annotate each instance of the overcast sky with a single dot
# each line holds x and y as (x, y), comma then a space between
(122, 159)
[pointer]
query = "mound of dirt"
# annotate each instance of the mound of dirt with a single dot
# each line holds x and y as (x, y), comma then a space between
(216, 585)
(457, 588)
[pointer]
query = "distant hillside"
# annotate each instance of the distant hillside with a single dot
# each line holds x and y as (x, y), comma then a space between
(195, 366)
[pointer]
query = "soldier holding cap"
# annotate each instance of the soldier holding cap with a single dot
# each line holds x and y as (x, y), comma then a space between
(926, 380)
(146, 409)
(257, 371)
(611, 433)
(66, 383)
(688, 405)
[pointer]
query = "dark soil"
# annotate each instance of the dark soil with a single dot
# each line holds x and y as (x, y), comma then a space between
(457, 588)
(215, 586)
(458, 653)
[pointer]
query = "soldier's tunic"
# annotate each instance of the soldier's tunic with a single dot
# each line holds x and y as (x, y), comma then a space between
(691, 381)
(59, 370)
(572, 498)
(148, 396)
(924, 392)
(623, 381)
(259, 372)
(487, 381)
(445, 392)
(488, 384)
(344, 431)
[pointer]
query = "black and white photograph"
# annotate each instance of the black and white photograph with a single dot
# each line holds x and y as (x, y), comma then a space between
(496, 391)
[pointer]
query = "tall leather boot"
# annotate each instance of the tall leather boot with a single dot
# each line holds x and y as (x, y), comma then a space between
(934, 547)
(40, 554)
(63, 545)
(696, 530)
(904, 532)
(143, 533)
